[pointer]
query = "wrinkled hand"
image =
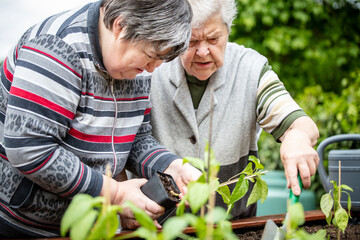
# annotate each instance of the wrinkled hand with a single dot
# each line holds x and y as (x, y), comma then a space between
(182, 174)
(298, 155)
(130, 191)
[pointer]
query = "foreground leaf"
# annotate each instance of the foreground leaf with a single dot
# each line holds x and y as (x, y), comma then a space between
(297, 216)
(198, 194)
(341, 219)
(107, 224)
(80, 230)
(173, 227)
(140, 216)
(196, 162)
(256, 161)
(216, 215)
(260, 190)
(241, 188)
(326, 204)
(80, 205)
(224, 191)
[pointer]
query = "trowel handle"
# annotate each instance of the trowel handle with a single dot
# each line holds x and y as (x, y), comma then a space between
(292, 197)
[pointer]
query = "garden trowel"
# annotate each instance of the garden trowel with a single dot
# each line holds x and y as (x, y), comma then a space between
(271, 230)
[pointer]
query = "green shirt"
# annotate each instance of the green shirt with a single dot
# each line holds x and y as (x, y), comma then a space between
(197, 89)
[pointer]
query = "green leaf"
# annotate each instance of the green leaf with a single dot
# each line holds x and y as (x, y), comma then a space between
(200, 226)
(297, 216)
(224, 231)
(191, 218)
(216, 215)
(81, 228)
(140, 215)
(259, 191)
(173, 227)
(196, 162)
(180, 210)
(326, 204)
(80, 205)
(214, 185)
(255, 160)
(145, 233)
(105, 226)
(341, 219)
(349, 204)
(248, 170)
(321, 234)
(264, 190)
(224, 191)
(303, 235)
(241, 188)
(346, 187)
(198, 194)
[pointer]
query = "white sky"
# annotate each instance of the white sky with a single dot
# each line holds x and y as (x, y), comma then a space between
(16, 16)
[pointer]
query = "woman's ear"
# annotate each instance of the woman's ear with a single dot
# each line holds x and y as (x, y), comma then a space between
(117, 28)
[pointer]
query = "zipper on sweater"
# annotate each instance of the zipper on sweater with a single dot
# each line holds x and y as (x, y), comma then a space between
(114, 125)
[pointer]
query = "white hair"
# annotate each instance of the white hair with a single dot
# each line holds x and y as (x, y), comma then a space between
(204, 9)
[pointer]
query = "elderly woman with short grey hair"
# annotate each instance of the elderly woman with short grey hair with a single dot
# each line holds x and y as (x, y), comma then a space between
(247, 94)
(70, 106)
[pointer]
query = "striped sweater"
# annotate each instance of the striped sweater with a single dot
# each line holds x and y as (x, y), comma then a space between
(63, 119)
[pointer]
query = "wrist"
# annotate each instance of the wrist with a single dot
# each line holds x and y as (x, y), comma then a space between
(109, 188)
(174, 167)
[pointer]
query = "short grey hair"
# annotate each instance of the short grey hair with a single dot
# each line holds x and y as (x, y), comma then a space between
(162, 23)
(205, 9)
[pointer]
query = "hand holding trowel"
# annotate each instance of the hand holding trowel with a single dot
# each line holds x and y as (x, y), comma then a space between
(271, 230)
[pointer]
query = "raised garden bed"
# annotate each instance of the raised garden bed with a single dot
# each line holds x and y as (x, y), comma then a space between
(252, 228)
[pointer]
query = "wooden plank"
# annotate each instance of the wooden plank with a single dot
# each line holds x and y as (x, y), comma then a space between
(256, 222)
(252, 222)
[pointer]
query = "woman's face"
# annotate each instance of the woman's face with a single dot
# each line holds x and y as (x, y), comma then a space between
(124, 59)
(207, 48)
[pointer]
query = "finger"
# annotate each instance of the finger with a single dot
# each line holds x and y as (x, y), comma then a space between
(140, 181)
(312, 166)
(157, 225)
(128, 223)
(287, 176)
(316, 159)
(153, 209)
(305, 175)
(294, 183)
(184, 191)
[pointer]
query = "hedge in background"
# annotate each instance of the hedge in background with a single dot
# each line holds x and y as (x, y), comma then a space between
(307, 42)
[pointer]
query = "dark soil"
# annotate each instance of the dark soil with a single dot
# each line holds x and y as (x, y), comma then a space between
(170, 189)
(352, 232)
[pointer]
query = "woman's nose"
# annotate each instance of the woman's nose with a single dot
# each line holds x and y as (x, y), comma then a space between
(202, 50)
(150, 67)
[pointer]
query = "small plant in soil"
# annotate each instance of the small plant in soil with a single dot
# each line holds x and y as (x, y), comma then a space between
(172, 192)
(162, 189)
(95, 218)
(209, 222)
(296, 218)
(330, 201)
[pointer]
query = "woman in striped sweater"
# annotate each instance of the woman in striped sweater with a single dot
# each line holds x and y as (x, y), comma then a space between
(69, 105)
(247, 94)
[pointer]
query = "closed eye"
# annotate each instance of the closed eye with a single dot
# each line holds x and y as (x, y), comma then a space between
(212, 40)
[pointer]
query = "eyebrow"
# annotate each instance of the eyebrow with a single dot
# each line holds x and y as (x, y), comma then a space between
(153, 55)
(215, 33)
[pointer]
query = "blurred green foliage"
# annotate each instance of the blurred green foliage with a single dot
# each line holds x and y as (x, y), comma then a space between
(307, 42)
(314, 47)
